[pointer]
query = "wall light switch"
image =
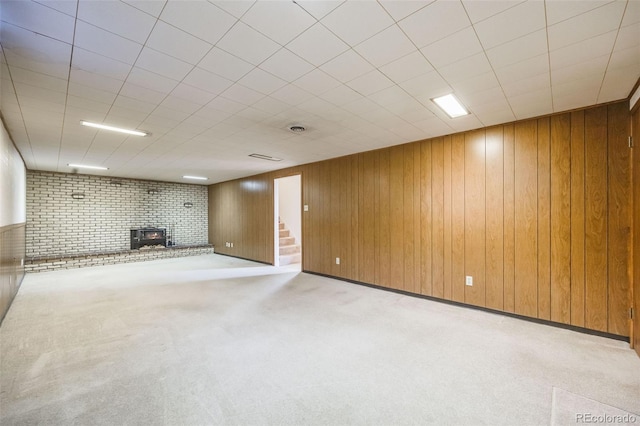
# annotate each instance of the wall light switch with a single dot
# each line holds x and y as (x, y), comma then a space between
(469, 281)
(231, 244)
(337, 260)
(306, 207)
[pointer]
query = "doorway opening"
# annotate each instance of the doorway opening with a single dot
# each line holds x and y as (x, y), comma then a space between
(287, 204)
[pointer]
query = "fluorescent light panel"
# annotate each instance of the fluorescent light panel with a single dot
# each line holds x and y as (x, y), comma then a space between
(195, 177)
(113, 129)
(265, 157)
(83, 166)
(451, 105)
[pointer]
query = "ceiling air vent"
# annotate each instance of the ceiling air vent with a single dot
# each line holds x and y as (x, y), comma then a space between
(265, 157)
(296, 128)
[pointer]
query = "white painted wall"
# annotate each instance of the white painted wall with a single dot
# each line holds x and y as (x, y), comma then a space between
(13, 186)
(289, 205)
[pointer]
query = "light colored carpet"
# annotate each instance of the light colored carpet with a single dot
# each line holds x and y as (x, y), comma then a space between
(216, 340)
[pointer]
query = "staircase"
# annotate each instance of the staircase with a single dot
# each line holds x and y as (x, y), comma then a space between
(289, 250)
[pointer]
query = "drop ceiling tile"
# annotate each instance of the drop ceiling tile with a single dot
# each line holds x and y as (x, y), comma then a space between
(586, 26)
(291, 94)
(98, 64)
(133, 104)
(286, 65)
(28, 50)
(531, 104)
(153, 8)
(317, 82)
(407, 67)
(385, 46)
(479, 10)
(207, 81)
(262, 81)
(152, 81)
(493, 94)
(341, 95)
(476, 83)
(198, 96)
(254, 114)
(400, 9)
(117, 18)
(558, 11)
(466, 68)
(84, 104)
(91, 93)
(513, 23)
(271, 105)
(354, 22)
(235, 8)
(522, 70)
(628, 37)
(317, 45)
(347, 66)
(583, 51)
(589, 84)
(171, 114)
(435, 22)
(500, 115)
(225, 105)
(124, 117)
(580, 71)
(99, 41)
(96, 81)
(467, 122)
(142, 93)
(65, 6)
(39, 18)
(37, 79)
(518, 50)
(23, 90)
(453, 48)
(530, 84)
(318, 9)
(573, 101)
(177, 43)
(280, 21)
(426, 87)
(225, 64)
(241, 94)
(198, 18)
(631, 14)
(165, 65)
(625, 58)
(617, 82)
(391, 95)
(248, 44)
(369, 83)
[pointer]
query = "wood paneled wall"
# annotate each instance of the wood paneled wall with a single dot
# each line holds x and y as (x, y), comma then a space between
(635, 124)
(12, 255)
(538, 212)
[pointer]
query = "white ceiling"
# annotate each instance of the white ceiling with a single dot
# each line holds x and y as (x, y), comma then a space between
(215, 81)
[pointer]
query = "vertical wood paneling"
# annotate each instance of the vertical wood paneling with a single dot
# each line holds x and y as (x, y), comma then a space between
(509, 218)
(561, 218)
(619, 219)
(457, 217)
(437, 218)
(408, 212)
(494, 213)
(635, 290)
(544, 219)
(396, 193)
(384, 219)
(577, 218)
(474, 221)
(596, 218)
(526, 218)
(538, 212)
(447, 272)
(425, 218)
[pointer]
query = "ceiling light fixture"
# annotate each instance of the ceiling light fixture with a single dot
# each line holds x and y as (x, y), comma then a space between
(113, 129)
(265, 157)
(296, 128)
(451, 105)
(195, 177)
(82, 166)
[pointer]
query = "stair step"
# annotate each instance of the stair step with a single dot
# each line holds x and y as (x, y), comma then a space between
(284, 233)
(281, 225)
(289, 249)
(287, 241)
(290, 259)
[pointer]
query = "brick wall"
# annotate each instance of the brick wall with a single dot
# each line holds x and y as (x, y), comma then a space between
(58, 224)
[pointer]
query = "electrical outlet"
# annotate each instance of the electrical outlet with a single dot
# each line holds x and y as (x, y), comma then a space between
(337, 260)
(226, 244)
(469, 280)
(306, 207)
(232, 245)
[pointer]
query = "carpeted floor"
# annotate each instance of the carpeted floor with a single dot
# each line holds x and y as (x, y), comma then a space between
(217, 340)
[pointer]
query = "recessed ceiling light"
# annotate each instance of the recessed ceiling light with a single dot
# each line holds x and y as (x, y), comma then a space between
(195, 177)
(296, 128)
(451, 105)
(265, 157)
(113, 129)
(83, 166)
